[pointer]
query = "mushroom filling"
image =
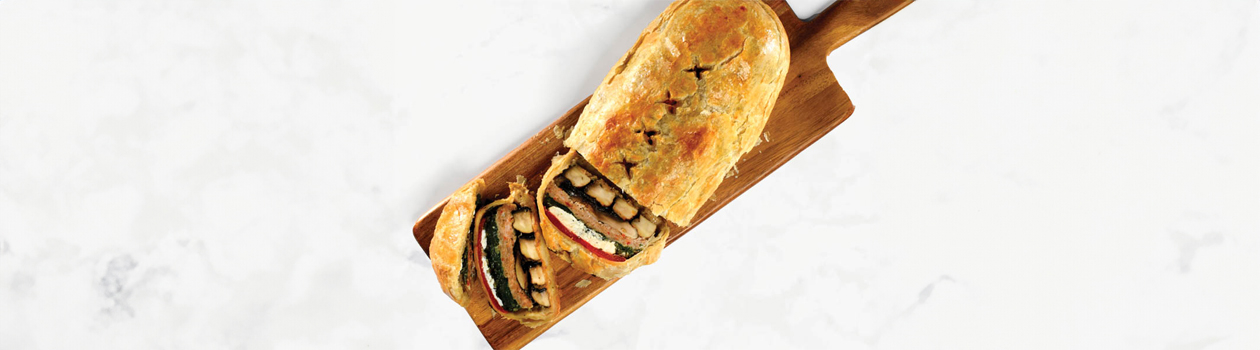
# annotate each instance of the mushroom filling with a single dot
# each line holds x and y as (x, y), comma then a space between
(511, 259)
(588, 208)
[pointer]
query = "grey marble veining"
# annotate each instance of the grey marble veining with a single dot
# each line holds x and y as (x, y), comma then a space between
(234, 174)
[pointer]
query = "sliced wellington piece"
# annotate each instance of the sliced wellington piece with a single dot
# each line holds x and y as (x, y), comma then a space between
(449, 250)
(514, 269)
(495, 252)
(593, 224)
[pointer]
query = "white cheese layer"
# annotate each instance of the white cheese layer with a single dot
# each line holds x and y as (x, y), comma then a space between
(585, 233)
(485, 270)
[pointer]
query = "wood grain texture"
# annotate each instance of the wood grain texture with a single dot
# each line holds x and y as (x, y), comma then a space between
(810, 104)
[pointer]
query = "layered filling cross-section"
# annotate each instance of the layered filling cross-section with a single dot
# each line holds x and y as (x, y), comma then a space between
(509, 258)
(589, 209)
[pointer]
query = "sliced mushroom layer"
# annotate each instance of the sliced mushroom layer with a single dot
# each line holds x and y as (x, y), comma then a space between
(589, 208)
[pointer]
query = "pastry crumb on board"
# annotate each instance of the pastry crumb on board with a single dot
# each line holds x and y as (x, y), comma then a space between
(559, 132)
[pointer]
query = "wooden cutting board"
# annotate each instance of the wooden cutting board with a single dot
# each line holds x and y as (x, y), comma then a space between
(810, 105)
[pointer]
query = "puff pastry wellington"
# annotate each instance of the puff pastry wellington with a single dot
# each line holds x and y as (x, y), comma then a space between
(496, 247)
(661, 132)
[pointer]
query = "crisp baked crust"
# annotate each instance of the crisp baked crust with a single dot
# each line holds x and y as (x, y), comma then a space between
(450, 240)
(685, 103)
(574, 252)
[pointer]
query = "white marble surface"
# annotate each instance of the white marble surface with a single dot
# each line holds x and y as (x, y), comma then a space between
(244, 174)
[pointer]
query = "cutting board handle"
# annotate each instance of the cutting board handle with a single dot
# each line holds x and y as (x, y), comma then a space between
(839, 23)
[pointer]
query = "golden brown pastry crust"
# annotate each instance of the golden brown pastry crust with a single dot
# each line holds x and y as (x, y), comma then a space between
(450, 240)
(685, 103)
(577, 255)
(530, 318)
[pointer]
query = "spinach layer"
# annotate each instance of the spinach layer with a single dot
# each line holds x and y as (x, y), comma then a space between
(490, 229)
